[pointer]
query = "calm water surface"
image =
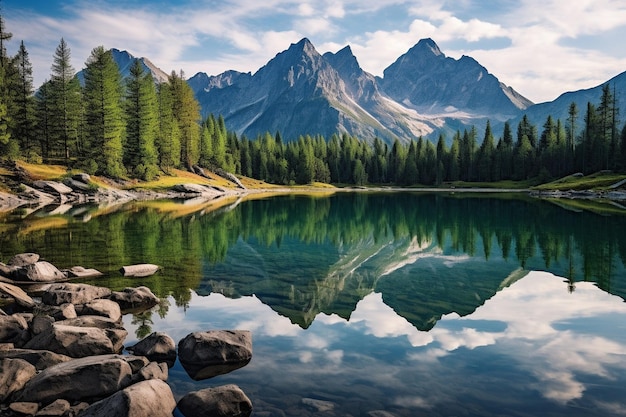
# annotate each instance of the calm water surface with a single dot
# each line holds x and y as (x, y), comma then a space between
(374, 304)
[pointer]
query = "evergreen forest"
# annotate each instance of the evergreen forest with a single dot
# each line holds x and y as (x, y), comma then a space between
(103, 124)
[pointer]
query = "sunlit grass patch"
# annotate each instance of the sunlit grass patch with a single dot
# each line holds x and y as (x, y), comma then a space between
(597, 181)
(43, 172)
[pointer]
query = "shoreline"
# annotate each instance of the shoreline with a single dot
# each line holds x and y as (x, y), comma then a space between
(38, 197)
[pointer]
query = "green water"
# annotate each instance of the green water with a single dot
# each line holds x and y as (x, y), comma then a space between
(412, 304)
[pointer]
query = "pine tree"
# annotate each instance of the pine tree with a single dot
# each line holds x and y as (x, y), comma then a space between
(486, 156)
(168, 138)
(66, 102)
(45, 116)
(140, 154)
(5, 120)
(454, 169)
(24, 120)
(186, 111)
(506, 152)
(104, 113)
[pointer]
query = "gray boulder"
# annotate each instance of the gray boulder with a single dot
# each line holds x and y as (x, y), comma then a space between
(132, 299)
(151, 398)
(40, 271)
(100, 307)
(152, 370)
(157, 347)
(18, 294)
(23, 259)
(41, 323)
(81, 379)
(14, 374)
(57, 294)
(40, 359)
(227, 400)
(78, 342)
(82, 177)
(77, 185)
(215, 352)
(13, 329)
(60, 312)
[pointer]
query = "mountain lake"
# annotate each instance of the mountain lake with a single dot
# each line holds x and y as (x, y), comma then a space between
(373, 304)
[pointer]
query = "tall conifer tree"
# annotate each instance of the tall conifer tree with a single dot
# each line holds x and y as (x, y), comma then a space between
(24, 120)
(140, 154)
(103, 113)
(66, 102)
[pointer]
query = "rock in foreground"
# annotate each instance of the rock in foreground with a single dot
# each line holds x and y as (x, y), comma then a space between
(227, 400)
(215, 352)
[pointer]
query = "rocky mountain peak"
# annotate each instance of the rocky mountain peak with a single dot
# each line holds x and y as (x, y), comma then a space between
(427, 46)
(344, 62)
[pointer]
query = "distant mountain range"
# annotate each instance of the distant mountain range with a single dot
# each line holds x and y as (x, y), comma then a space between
(423, 93)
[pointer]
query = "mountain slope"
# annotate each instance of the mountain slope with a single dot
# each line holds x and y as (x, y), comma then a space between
(301, 92)
(559, 108)
(425, 79)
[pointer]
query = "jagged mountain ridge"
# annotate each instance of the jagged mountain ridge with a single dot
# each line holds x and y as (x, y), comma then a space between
(302, 92)
(422, 93)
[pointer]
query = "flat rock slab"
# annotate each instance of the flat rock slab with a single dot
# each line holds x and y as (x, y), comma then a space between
(18, 294)
(53, 186)
(40, 359)
(80, 272)
(139, 270)
(58, 294)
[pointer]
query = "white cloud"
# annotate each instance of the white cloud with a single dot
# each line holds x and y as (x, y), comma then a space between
(546, 55)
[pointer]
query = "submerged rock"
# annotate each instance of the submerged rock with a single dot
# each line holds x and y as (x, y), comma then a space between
(215, 352)
(139, 270)
(227, 400)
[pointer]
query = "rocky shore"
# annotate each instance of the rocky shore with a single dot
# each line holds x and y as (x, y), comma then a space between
(81, 188)
(62, 353)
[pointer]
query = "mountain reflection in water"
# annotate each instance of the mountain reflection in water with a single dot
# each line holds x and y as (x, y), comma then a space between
(415, 304)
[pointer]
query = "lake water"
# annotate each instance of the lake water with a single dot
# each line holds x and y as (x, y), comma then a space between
(374, 304)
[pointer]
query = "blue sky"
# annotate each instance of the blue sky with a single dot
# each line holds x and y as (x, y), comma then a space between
(541, 48)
